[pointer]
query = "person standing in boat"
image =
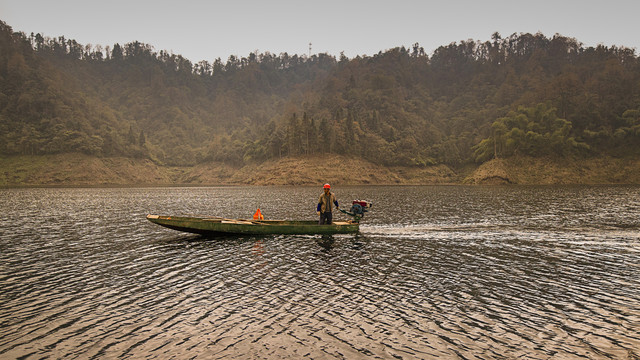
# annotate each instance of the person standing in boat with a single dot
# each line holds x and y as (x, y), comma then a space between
(325, 203)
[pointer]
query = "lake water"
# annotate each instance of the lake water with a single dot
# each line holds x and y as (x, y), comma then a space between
(437, 271)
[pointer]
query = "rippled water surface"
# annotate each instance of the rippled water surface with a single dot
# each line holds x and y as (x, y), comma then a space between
(449, 272)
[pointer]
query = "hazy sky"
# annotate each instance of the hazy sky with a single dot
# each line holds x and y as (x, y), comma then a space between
(205, 30)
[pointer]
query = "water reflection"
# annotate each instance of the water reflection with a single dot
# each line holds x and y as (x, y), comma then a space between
(450, 272)
(326, 242)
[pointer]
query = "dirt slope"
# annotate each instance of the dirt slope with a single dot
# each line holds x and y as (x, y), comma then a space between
(82, 170)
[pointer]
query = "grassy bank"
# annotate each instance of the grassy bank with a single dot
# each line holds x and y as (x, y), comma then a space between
(82, 170)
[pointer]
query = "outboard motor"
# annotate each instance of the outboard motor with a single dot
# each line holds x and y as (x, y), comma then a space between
(358, 208)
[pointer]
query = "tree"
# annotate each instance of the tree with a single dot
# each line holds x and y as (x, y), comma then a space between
(141, 139)
(525, 94)
(116, 53)
(325, 137)
(294, 136)
(533, 131)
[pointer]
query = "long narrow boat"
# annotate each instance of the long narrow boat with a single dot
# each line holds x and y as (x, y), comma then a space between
(221, 226)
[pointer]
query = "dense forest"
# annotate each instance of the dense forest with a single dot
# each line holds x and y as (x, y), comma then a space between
(469, 101)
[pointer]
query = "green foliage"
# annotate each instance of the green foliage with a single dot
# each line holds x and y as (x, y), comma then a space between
(533, 131)
(469, 101)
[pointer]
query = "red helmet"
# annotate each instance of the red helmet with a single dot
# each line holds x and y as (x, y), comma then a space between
(327, 186)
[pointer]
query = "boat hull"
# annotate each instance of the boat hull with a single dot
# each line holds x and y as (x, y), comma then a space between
(221, 226)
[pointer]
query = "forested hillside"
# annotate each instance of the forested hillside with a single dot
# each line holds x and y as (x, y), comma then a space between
(468, 101)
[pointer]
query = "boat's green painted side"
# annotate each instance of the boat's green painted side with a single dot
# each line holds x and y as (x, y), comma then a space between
(215, 225)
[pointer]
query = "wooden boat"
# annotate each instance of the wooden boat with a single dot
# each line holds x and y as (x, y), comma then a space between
(222, 226)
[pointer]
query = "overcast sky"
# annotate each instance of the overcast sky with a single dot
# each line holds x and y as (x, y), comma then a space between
(206, 30)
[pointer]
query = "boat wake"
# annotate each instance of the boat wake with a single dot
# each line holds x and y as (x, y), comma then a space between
(436, 231)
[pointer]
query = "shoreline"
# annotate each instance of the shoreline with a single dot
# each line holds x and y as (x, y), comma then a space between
(78, 170)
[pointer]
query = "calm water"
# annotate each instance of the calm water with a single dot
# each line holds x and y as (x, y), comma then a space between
(450, 272)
